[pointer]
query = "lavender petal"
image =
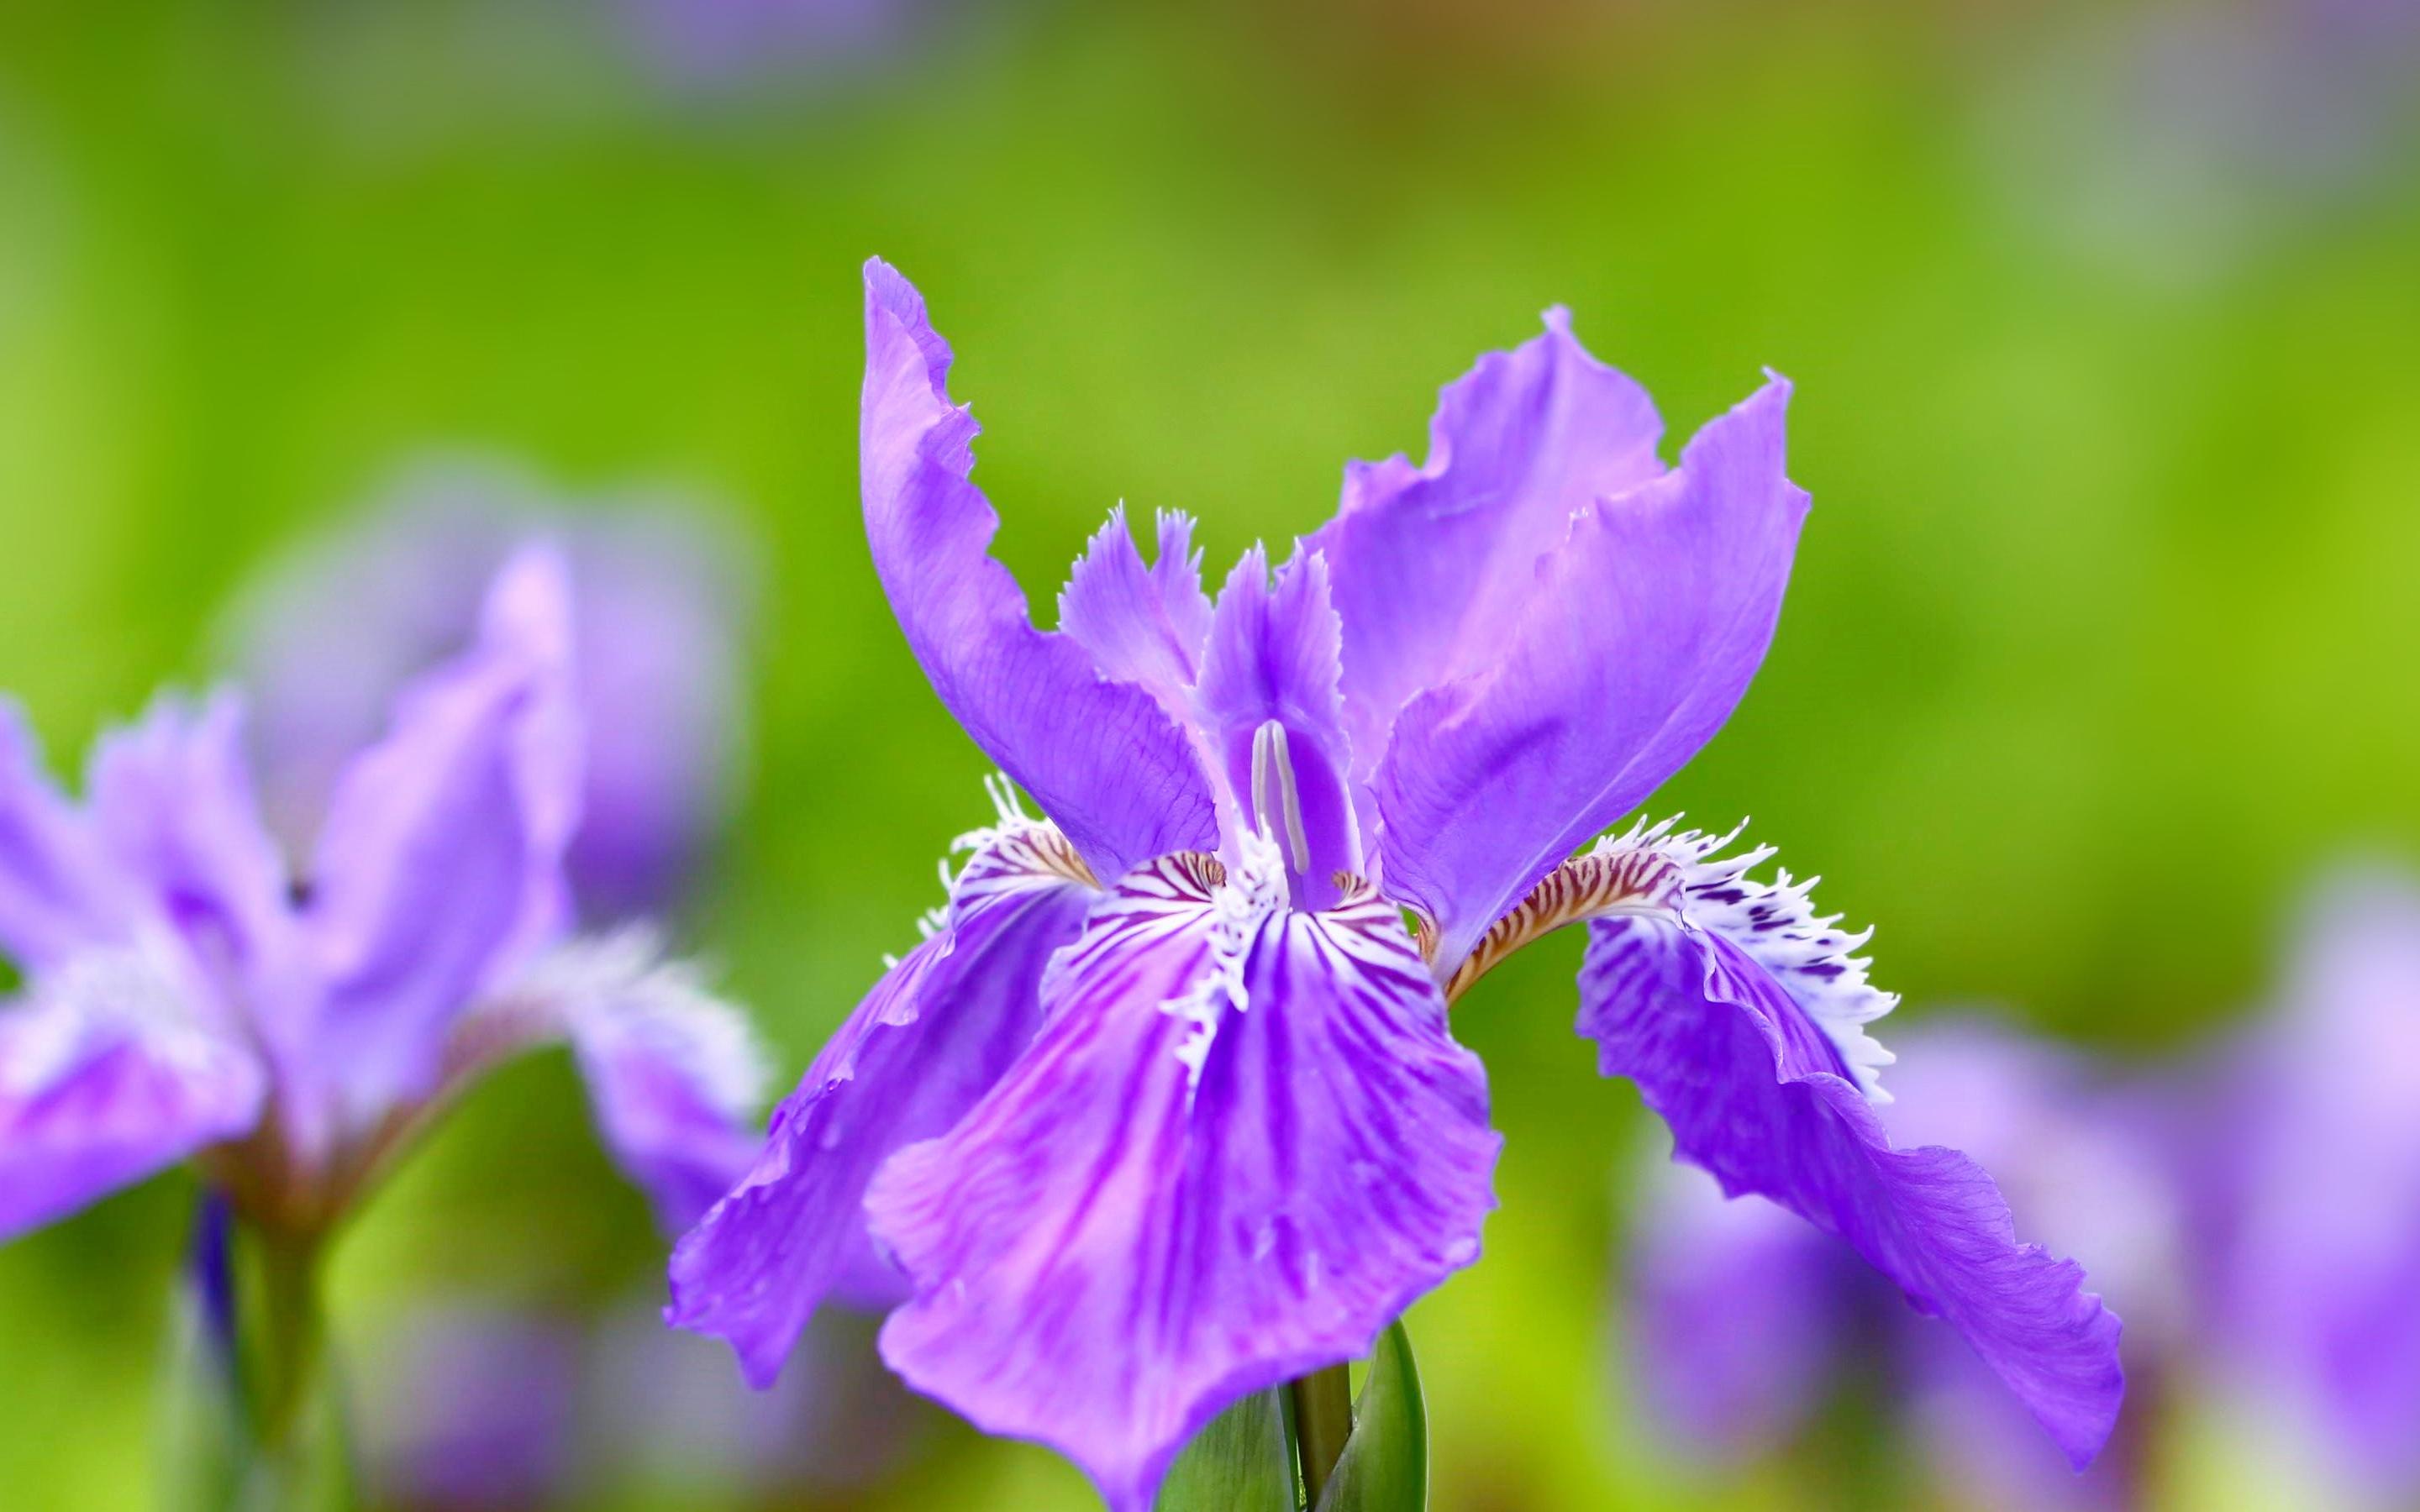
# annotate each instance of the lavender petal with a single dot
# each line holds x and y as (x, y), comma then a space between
(675, 1075)
(107, 1076)
(932, 1037)
(1272, 662)
(1431, 565)
(1758, 1091)
(1639, 633)
(439, 870)
(1103, 759)
(61, 891)
(1242, 1144)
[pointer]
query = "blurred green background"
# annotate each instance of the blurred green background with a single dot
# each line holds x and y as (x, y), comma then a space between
(2102, 637)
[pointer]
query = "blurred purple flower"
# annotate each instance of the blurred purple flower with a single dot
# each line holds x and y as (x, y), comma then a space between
(1747, 1320)
(476, 1407)
(1165, 1111)
(660, 604)
(716, 44)
(190, 995)
(489, 1404)
(662, 1409)
(2186, 133)
(2310, 1188)
(1736, 1317)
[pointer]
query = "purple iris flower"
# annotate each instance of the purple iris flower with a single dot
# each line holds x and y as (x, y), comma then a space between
(188, 993)
(1165, 1109)
(660, 615)
(2309, 1181)
(1744, 1318)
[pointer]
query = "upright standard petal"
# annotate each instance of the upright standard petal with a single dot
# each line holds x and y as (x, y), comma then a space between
(1269, 707)
(1142, 625)
(174, 803)
(932, 1037)
(1637, 634)
(1104, 759)
(439, 870)
(1712, 995)
(1432, 564)
(60, 890)
(324, 638)
(664, 613)
(1242, 1145)
(327, 637)
(172, 799)
(105, 1077)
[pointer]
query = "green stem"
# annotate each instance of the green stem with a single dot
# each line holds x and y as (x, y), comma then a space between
(253, 1417)
(285, 1351)
(1323, 1416)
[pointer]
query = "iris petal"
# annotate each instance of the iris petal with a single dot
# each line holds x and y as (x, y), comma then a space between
(1720, 1031)
(1634, 641)
(1107, 764)
(1142, 625)
(1242, 1144)
(2318, 1247)
(664, 611)
(935, 1033)
(439, 870)
(107, 1076)
(172, 799)
(60, 889)
(675, 1075)
(1432, 564)
(1273, 661)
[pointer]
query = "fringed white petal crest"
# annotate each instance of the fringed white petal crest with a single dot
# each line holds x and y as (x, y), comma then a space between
(1777, 925)
(92, 1003)
(1242, 898)
(620, 985)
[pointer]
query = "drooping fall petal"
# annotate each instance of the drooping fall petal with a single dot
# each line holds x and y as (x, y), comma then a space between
(1715, 1005)
(1241, 1145)
(106, 1076)
(932, 1037)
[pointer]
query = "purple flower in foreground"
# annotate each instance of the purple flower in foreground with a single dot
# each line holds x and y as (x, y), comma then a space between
(2309, 1169)
(1165, 1109)
(188, 995)
(1744, 1316)
(660, 610)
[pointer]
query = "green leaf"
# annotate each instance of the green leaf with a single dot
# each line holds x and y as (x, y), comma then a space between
(1385, 1463)
(1243, 1461)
